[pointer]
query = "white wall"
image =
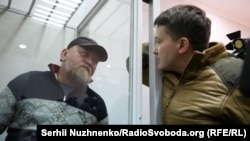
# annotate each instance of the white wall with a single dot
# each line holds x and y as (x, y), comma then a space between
(227, 16)
(44, 44)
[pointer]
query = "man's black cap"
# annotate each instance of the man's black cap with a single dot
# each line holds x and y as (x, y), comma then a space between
(92, 45)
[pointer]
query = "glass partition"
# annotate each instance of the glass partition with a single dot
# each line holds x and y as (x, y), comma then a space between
(110, 27)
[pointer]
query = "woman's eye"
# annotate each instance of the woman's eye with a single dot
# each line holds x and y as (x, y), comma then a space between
(157, 42)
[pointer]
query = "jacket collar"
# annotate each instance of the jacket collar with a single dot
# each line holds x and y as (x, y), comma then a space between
(54, 68)
(214, 52)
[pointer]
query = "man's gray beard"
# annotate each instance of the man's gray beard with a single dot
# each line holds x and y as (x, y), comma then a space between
(77, 79)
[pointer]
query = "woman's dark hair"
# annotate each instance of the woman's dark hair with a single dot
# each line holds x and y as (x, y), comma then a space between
(186, 21)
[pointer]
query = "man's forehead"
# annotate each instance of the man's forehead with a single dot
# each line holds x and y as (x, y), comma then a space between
(89, 50)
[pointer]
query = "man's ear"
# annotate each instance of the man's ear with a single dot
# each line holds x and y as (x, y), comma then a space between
(63, 54)
(183, 45)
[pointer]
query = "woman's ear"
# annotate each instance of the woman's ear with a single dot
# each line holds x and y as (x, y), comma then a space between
(183, 45)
